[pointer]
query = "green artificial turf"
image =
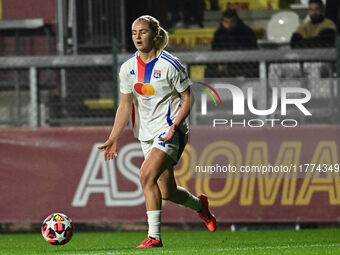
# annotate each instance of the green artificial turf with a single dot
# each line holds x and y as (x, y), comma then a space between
(318, 241)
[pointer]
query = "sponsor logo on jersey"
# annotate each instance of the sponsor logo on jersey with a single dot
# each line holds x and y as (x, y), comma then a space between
(132, 72)
(144, 89)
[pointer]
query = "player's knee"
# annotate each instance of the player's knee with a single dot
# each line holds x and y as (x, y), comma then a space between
(146, 180)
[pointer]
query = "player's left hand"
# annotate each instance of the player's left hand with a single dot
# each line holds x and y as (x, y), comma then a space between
(169, 135)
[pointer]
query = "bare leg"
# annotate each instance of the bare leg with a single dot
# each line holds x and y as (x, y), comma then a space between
(151, 169)
(170, 191)
(168, 187)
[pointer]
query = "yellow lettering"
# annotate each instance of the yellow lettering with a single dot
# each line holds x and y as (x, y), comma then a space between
(325, 153)
(269, 182)
(234, 157)
(188, 159)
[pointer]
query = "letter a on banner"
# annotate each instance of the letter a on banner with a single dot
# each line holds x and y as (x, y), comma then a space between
(107, 183)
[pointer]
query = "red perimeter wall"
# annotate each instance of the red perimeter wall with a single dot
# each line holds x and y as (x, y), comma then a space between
(61, 170)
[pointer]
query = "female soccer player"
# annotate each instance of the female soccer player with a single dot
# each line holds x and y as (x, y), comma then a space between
(155, 90)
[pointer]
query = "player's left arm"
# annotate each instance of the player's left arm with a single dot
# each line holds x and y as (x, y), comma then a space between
(184, 111)
(187, 101)
(181, 82)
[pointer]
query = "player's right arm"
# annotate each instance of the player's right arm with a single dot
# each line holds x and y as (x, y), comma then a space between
(122, 117)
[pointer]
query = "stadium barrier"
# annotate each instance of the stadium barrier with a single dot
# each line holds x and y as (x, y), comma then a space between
(61, 170)
(78, 90)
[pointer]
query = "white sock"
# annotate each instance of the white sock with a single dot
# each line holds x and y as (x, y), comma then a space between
(154, 221)
(193, 202)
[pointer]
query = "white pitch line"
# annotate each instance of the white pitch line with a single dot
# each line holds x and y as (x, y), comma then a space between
(163, 250)
(241, 248)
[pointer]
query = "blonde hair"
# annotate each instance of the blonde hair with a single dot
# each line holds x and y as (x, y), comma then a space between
(161, 34)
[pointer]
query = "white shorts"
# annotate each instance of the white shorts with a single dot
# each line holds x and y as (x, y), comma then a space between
(174, 148)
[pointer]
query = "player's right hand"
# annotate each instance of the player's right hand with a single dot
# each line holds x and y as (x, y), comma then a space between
(110, 149)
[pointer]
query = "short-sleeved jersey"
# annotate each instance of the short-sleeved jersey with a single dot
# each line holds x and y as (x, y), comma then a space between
(156, 87)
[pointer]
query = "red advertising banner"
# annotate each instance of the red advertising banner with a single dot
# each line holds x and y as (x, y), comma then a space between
(61, 170)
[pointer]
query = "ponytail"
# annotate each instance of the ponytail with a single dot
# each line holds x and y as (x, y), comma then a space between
(162, 38)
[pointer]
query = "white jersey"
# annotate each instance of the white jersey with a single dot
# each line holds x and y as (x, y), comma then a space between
(156, 87)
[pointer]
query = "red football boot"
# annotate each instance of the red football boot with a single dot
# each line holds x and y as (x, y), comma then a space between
(205, 214)
(150, 243)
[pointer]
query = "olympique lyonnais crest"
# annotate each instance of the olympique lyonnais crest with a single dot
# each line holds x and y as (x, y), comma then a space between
(157, 74)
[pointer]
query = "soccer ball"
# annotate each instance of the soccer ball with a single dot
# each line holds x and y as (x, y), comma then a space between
(57, 229)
